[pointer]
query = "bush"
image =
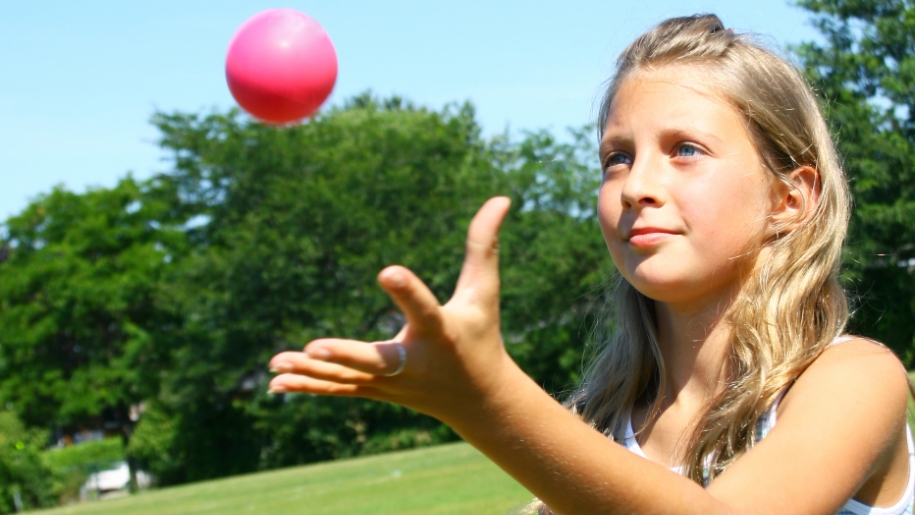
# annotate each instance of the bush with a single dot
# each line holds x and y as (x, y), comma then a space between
(97, 453)
(153, 444)
(72, 466)
(22, 470)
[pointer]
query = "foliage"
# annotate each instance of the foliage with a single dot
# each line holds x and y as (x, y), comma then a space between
(94, 452)
(554, 259)
(152, 441)
(293, 224)
(82, 332)
(22, 470)
(865, 73)
(176, 291)
(78, 314)
(71, 466)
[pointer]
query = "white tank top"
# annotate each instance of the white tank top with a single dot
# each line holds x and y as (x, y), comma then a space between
(852, 507)
(903, 507)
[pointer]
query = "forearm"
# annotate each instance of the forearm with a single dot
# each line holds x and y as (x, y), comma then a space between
(567, 464)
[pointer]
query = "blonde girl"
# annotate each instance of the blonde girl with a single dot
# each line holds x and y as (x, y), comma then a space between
(729, 386)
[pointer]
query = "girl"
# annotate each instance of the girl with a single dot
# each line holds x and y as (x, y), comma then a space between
(728, 386)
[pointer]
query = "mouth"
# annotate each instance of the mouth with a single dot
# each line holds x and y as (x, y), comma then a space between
(648, 236)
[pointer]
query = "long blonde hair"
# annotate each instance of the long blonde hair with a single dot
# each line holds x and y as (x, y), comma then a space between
(790, 305)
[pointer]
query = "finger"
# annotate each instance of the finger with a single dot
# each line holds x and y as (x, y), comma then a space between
(293, 383)
(300, 363)
(379, 358)
(414, 299)
(481, 263)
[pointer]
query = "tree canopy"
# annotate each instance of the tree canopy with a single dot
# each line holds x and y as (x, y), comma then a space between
(864, 72)
(78, 308)
(175, 292)
(169, 295)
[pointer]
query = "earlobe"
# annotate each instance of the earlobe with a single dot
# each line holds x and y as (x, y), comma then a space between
(796, 198)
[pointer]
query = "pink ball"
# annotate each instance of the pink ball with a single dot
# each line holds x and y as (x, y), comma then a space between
(281, 66)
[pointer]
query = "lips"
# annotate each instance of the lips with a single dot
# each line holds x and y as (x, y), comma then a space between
(648, 236)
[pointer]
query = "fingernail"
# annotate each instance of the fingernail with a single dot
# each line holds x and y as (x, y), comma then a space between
(276, 389)
(281, 368)
(319, 353)
(395, 279)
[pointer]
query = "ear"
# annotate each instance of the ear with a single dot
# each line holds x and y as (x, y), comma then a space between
(795, 199)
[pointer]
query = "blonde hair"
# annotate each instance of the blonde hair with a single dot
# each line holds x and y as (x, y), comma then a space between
(790, 305)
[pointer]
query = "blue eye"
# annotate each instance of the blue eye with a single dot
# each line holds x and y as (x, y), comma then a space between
(687, 150)
(617, 158)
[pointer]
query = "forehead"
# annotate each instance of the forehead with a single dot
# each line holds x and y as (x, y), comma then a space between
(681, 96)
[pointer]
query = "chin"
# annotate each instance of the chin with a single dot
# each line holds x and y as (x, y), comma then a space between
(668, 286)
(662, 294)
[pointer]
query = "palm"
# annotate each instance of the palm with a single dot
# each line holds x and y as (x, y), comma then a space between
(453, 351)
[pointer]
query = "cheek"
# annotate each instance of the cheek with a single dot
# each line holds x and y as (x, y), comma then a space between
(732, 217)
(608, 212)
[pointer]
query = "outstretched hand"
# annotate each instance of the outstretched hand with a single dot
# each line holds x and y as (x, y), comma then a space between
(454, 353)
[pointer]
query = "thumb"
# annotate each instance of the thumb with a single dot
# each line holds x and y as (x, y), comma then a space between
(414, 298)
(480, 273)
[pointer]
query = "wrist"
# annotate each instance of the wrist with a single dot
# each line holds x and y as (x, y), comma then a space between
(495, 403)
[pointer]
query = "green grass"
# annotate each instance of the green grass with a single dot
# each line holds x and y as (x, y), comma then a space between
(448, 479)
(443, 480)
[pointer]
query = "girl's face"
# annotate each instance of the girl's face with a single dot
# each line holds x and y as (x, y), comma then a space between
(684, 192)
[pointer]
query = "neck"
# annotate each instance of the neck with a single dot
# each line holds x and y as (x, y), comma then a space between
(694, 344)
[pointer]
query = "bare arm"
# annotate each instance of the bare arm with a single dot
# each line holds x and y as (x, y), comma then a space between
(458, 371)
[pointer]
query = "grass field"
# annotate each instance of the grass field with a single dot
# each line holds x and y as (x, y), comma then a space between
(448, 479)
(443, 480)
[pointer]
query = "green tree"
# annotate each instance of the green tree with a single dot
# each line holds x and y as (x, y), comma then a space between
(82, 333)
(24, 478)
(294, 225)
(555, 261)
(175, 292)
(865, 73)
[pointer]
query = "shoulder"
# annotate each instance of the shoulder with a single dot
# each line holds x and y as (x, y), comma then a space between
(858, 383)
(855, 368)
(840, 424)
(859, 362)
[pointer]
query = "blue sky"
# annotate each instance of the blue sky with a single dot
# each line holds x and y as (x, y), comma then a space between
(81, 79)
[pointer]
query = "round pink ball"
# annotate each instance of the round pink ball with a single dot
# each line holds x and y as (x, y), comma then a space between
(281, 66)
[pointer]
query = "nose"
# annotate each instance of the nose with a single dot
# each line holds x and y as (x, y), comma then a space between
(644, 184)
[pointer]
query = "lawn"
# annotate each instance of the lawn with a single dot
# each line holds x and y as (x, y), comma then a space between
(448, 479)
(443, 480)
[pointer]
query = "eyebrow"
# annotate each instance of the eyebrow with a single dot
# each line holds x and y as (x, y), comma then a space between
(612, 142)
(681, 133)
